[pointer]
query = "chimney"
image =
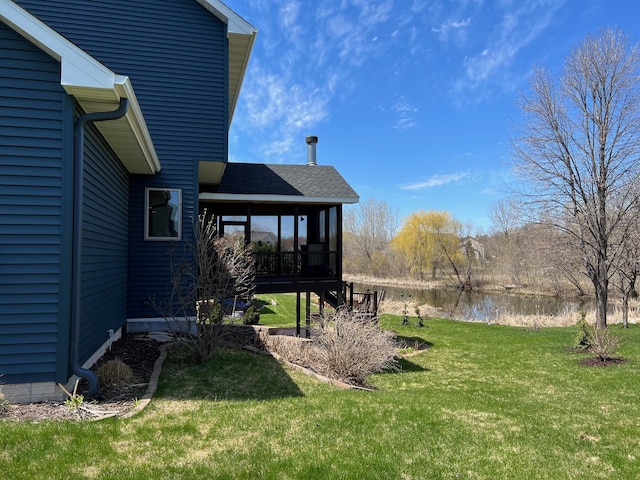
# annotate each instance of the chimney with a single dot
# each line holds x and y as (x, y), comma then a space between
(311, 150)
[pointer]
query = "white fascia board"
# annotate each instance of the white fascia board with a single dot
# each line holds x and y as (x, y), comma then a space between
(78, 68)
(137, 123)
(235, 23)
(232, 197)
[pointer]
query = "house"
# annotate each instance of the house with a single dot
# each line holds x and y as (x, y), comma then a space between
(114, 121)
(472, 248)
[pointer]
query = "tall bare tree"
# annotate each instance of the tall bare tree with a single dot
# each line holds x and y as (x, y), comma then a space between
(628, 266)
(369, 228)
(579, 147)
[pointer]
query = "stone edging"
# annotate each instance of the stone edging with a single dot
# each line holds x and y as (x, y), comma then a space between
(153, 382)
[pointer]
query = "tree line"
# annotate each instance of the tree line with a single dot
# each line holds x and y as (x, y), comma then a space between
(573, 221)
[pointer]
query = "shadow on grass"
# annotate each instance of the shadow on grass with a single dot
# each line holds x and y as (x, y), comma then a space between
(263, 306)
(417, 343)
(228, 375)
(408, 366)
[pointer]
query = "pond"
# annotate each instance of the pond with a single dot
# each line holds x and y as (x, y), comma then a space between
(480, 306)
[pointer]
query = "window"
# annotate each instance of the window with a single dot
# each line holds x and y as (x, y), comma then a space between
(163, 217)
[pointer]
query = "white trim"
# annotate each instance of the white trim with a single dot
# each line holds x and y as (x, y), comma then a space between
(78, 68)
(231, 197)
(241, 36)
(235, 23)
(98, 354)
(138, 124)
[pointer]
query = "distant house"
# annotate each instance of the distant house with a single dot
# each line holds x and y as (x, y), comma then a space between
(114, 121)
(268, 238)
(472, 247)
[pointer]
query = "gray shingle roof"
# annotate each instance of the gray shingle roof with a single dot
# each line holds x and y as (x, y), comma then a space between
(312, 181)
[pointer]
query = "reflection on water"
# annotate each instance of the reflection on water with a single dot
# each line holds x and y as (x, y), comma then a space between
(480, 306)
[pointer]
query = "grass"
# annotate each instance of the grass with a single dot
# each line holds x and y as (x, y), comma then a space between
(484, 402)
(283, 313)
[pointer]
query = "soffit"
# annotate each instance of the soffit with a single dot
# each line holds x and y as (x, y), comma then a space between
(241, 36)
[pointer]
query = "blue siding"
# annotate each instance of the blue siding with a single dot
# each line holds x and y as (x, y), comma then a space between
(35, 218)
(105, 243)
(175, 53)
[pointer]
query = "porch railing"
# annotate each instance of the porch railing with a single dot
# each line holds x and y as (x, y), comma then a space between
(319, 263)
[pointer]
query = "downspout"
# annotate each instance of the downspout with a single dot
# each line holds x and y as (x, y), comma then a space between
(78, 160)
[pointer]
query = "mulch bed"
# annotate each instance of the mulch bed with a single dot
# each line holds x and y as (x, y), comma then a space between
(137, 351)
(598, 362)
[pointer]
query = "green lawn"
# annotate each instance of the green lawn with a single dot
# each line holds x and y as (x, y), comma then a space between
(283, 313)
(484, 402)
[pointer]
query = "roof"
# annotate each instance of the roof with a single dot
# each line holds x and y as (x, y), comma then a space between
(95, 87)
(256, 182)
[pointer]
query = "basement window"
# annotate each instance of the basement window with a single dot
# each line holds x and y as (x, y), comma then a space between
(163, 214)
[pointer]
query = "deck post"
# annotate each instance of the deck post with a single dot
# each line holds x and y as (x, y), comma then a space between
(297, 314)
(308, 316)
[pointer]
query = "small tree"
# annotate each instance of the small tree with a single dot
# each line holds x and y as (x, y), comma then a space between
(223, 268)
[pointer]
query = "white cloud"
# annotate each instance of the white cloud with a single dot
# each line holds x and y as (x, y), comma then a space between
(404, 114)
(437, 180)
(303, 61)
(520, 24)
(452, 28)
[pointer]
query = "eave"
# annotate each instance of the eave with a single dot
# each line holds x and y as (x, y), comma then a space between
(290, 199)
(240, 36)
(95, 88)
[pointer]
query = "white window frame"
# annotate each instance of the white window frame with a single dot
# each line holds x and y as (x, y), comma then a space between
(177, 215)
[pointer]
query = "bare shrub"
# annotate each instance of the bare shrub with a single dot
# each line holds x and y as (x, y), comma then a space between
(292, 349)
(348, 347)
(224, 268)
(115, 373)
(603, 343)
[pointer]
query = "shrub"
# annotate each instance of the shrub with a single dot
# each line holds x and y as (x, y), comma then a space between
(347, 347)
(251, 316)
(603, 343)
(115, 373)
(224, 268)
(582, 339)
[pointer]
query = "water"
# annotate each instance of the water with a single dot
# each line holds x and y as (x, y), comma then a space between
(480, 306)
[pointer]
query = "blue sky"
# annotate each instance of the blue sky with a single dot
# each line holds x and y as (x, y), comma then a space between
(414, 102)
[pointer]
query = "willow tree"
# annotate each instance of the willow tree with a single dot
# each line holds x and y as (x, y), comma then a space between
(430, 241)
(579, 148)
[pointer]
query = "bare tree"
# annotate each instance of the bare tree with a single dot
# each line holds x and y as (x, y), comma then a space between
(578, 151)
(369, 228)
(505, 216)
(223, 269)
(628, 266)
